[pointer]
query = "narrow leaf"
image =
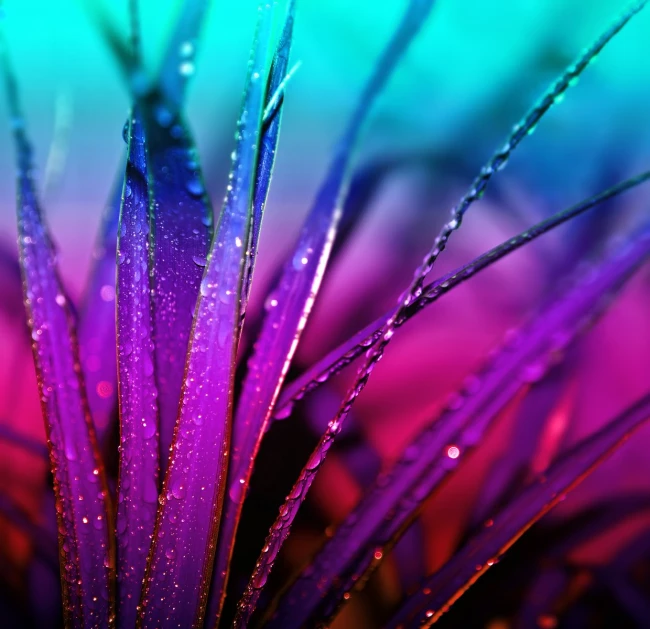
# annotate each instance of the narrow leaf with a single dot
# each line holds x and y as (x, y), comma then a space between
(444, 587)
(388, 509)
(268, 143)
(85, 543)
(176, 585)
(264, 169)
(138, 470)
(292, 300)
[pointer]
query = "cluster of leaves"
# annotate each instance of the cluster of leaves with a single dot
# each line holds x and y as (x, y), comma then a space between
(156, 549)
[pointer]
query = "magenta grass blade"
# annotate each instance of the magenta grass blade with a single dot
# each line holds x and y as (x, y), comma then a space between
(138, 470)
(291, 302)
(179, 567)
(387, 510)
(85, 533)
(444, 587)
(274, 97)
(347, 352)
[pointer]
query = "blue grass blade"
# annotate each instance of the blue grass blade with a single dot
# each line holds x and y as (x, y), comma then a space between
(96, 328)
(388, 509)
(292, 300)
(350, 350)
(181, 223)
(268, 143)
(84, 518)
(138, 466)
(443, 588)
(178, 63)
(179, 566)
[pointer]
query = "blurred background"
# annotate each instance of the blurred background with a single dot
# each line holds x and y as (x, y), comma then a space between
(471, 74)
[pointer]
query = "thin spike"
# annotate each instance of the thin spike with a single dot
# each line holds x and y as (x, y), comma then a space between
(138, 464)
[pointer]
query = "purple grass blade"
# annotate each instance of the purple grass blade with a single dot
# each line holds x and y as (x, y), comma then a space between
(350, 350)
(96, 326)
(138, 470)
(443, 588)
(181, 228)
(177, 66)
(390, 506)
(291, 302)
(179, 567)
(85, 532)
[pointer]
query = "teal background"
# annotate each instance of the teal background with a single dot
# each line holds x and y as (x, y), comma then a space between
(471, 73)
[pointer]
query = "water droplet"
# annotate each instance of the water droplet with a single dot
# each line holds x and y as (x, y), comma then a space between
(178, 489)
(195, 187)
(186, 68)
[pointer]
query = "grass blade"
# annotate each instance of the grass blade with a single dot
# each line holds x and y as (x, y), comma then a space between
(292, 301)
(443, 588)
(268, 143)
(180, 232)
(138, 469)
(175, 590)
(266, 158)
(85, 532)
